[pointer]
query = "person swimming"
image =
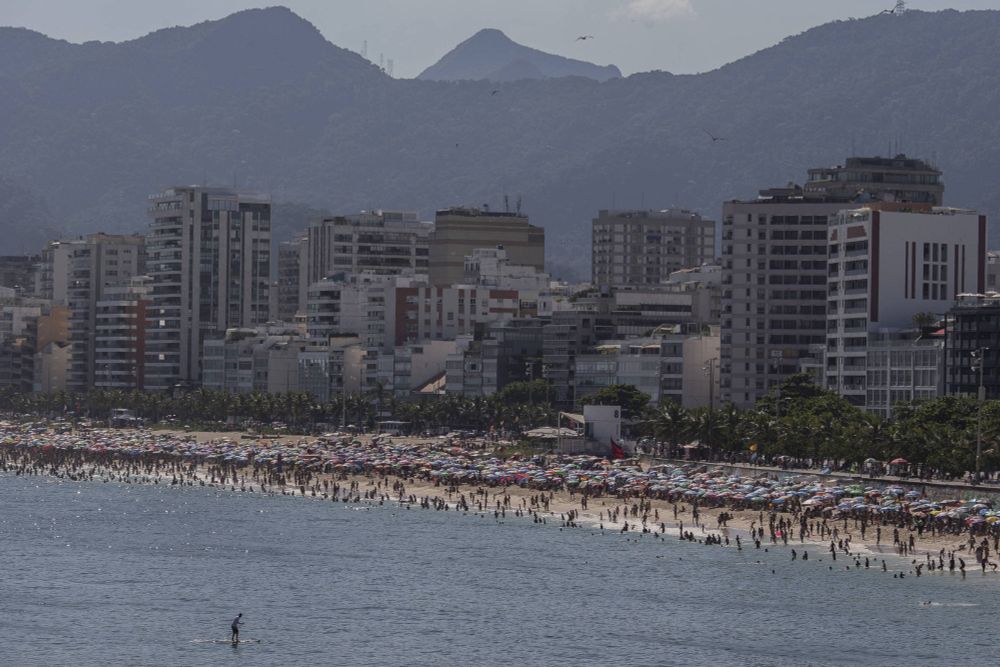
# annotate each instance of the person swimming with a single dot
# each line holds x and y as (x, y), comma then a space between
(237, 622)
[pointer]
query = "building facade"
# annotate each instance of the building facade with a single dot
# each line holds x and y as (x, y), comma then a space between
(887, 264)
(120, 336)
(895, 179)
(17, 272)
(503, 352)
(775, 272)
(639, 248)
(972, 348)
(458, 232)
(209, 257)
(379, 242)
(293, 282)
(903, 366)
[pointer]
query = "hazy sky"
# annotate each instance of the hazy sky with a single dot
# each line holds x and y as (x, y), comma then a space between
(680, 36)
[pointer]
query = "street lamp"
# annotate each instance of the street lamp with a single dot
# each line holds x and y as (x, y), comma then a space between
(978, 359)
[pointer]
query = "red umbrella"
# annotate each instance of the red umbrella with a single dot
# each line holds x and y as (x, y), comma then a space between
(899, 462)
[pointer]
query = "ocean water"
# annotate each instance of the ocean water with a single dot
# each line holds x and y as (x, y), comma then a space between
(113, 574)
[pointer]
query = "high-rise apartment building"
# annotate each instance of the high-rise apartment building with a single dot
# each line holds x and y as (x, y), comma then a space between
(209, 258)
(52, 270)
(458, 232)
(635, 247)
(96, 264)
(293, 280)
(887, 263)
(382, 242)
(120, 335)
(775, 270)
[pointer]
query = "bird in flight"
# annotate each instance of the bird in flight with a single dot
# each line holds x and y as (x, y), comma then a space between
(712, 136)
(494, 92)
(582, 38)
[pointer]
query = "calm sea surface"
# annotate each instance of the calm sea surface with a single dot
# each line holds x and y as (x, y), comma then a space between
(113, 574)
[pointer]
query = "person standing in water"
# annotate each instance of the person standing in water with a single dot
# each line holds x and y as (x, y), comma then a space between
(237, 622)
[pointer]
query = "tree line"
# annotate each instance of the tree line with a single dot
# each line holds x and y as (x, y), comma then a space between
(798, 420)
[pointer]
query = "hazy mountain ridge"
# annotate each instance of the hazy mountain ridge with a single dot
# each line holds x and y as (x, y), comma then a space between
(492, 56)
(94, 132)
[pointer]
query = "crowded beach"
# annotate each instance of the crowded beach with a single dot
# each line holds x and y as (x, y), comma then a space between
(888, 527)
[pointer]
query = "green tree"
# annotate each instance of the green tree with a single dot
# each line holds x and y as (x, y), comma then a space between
(632, 401)
(671, 423)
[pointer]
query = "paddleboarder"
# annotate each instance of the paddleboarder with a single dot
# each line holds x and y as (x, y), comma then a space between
(237, 622)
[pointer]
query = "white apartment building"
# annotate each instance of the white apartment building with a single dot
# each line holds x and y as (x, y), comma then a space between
(379, 242)
(887, 263)
(354, 304)
(209, 257)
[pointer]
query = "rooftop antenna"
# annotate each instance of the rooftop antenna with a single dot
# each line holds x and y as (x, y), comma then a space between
(506, 204)
(518, 204)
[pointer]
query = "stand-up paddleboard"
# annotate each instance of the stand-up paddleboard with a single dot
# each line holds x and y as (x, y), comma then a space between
(225, 641)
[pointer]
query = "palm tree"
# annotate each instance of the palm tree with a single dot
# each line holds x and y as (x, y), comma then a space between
(671, 423)
(704, 424)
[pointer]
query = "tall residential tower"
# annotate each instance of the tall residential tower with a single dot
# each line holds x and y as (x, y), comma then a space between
(209, 257)
(774, 280)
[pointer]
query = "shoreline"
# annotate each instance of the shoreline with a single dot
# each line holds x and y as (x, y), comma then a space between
(643, 516)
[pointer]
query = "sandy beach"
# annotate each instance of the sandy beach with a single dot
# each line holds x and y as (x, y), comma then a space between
(818, 537)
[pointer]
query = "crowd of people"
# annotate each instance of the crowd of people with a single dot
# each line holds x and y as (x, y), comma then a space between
(618, 495)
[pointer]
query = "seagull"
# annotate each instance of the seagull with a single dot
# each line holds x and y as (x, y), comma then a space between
(584, 38)
(712, 136)
(494, 92)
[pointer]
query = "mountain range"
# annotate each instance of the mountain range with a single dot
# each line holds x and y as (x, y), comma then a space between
(261, 99)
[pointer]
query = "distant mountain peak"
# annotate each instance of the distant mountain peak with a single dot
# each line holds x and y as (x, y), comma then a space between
(491, 55)
(492, 33)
